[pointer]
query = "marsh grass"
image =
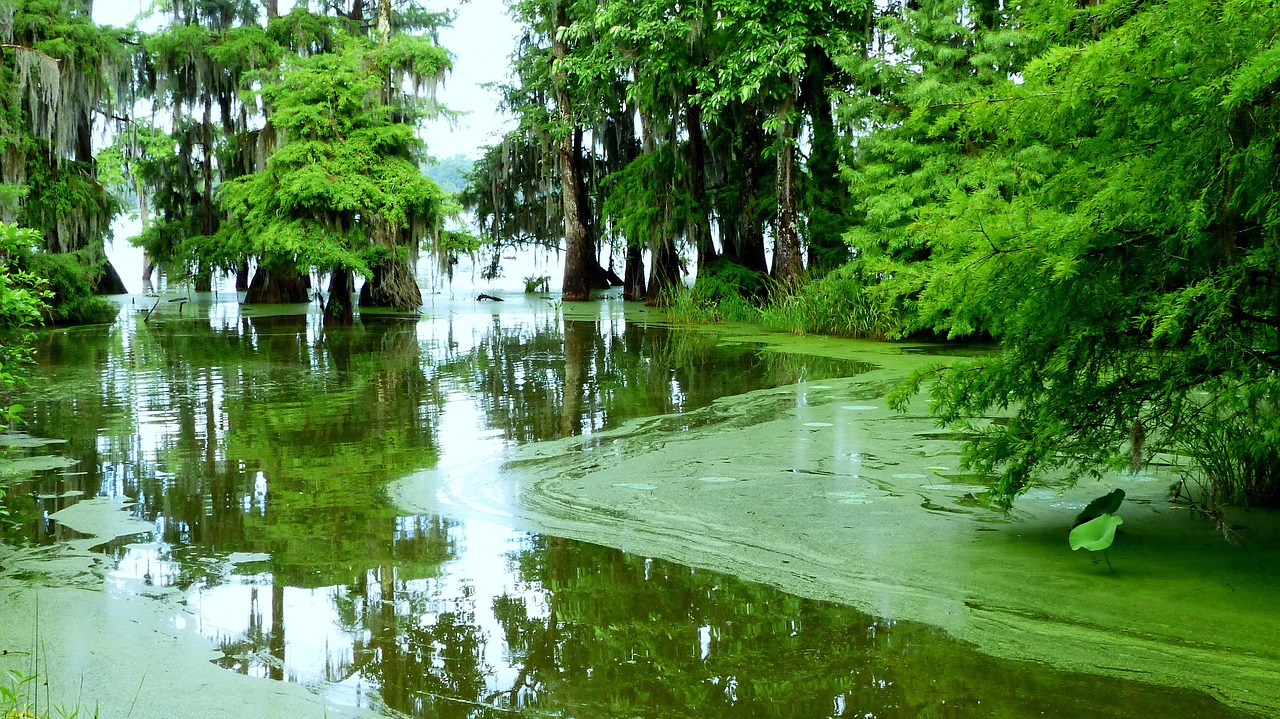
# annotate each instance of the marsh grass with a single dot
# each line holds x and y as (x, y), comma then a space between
(835, 305)
(19, 699)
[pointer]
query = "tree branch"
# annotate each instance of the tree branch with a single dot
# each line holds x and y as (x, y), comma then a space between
(31, 50)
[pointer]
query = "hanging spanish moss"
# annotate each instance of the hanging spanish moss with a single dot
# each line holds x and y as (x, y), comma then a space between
(64, 73)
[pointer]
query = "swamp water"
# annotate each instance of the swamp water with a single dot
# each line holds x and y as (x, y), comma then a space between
(497, 510)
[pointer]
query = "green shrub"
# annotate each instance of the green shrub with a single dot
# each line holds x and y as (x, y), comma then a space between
(70, 282)
(722, 278)
(724, 290)
(537, 283)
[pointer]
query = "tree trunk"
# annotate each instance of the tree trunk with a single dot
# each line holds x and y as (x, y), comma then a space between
(276, 642)
(576, 336)
(598, 278)
(700, 223)
(750, 225)
(579, 254)
(664, 269)
(339, 308)
(276, 286)
(384, 21)
(206, 170)
(273, 10)
(109, 282)
(633, 274)
(204, 277)
(788, 264)
(242, 276)
(392, 284)
(664, 273)
(144, 212)
(626, 151)
(825, 195)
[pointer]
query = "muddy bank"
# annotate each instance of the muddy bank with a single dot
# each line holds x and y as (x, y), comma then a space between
(114, 648)
(819, 489)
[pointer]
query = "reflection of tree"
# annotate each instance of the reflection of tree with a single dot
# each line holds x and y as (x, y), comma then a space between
(600, 633)
(420, 645)
(270, 438)
(264, 437)
(626, 636)
(548, 382)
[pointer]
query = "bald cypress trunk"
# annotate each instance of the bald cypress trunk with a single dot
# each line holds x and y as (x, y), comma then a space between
(788, 263)
(579, 255)
(339, 308)
(664, 268)
(700, 223)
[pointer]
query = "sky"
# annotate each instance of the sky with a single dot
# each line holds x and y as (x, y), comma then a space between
(481, 39)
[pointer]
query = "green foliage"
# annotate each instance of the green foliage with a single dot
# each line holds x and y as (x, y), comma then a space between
(22, 301)
(19, 698)
(512, 197)
(1094, 188)
(641, 194)
(537, 283)
(723, 279)
(837, 304)
(15, 692)
(768, 43)
(723, 291)
(69, 282)
(346, 180)
(60, 72)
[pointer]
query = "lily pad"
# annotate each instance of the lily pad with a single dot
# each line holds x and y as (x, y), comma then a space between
(1096, 534)
(26, 441)
(27, 465)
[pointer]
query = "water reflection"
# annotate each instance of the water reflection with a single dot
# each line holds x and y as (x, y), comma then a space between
(259, 449)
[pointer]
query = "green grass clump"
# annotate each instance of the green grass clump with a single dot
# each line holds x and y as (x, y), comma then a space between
(836, 305)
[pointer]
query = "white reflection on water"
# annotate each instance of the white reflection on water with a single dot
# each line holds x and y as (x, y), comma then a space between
(236, 612)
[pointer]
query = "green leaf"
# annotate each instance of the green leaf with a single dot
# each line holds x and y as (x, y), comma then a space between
(1096, 534)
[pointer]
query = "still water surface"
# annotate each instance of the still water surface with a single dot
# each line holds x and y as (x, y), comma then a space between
(260, 449)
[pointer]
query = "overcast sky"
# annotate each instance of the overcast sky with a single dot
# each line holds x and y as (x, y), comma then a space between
(481, 40)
